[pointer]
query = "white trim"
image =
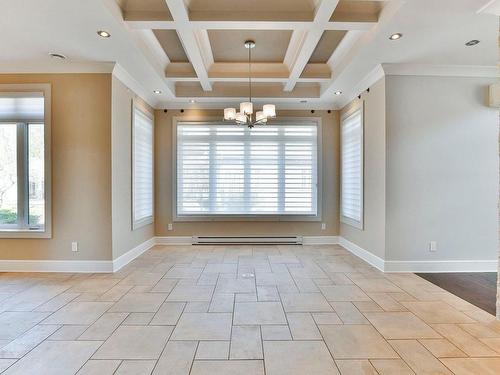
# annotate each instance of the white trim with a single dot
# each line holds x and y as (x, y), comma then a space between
(174, 240)
(51, 66)
(130, 255)
(374, 76)
(81, 266)
(442, 266)
(121, 74)
(320, 240)
(476, 71)
(372, 259)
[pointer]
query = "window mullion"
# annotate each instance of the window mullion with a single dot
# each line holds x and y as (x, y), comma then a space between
(247, 180)
(281, 169)
(22, 175)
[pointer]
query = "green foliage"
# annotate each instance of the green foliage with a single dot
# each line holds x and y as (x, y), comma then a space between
(8, 217)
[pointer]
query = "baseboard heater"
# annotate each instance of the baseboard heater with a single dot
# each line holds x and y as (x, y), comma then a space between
(247, 240)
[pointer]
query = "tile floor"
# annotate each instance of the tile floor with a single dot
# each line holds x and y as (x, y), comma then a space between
(227, 310)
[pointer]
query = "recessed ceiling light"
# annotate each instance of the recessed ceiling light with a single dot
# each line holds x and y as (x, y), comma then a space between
(57, 56)
(396, 36)
(338, 92)
(192, 101)
(103, 34)
(472, 42)
(157, 91)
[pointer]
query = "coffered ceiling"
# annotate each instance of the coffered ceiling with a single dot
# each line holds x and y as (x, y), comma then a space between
(192, 50)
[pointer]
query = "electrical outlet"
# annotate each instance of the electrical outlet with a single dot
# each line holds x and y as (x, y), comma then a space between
(169, 226)
(74, 246)
(433, 246)
(323, 226)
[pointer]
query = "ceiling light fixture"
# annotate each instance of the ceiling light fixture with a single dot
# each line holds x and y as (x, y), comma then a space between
(157, 91)
(245, 115)
(103, 34)
(396, 36)
(57, 56)
(192, 101)
(472, 42)
(338, 93)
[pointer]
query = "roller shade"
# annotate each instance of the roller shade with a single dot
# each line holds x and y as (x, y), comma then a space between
(229, 170)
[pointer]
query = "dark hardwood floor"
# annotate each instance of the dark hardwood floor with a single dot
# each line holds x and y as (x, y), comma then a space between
(479, 288)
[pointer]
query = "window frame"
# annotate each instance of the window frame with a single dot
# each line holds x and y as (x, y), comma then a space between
(348, 114)
(137, 224)
(256, 217)
(23, 189)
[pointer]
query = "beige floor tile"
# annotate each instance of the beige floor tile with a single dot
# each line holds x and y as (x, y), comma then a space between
(473, 366)
(135, 342)
(196, 306)
(164, 286)
(267, 294)
(191, 293)
(298, 358)
(98, 286)
(68, 333)
(136, 367)
(442, 348)
(232, 285)
(139, 302)
(387, 302)
(103, 327)
(418, 358)
(220, 268)
(168, 314)
(401, 325)
(302, 326)
(305, 302)
(367, 306)
(275, 332)
(177, 358)
(179, 272)
(54, 358)
(326, 318)
(99, 367)
(246, 343)
(138, 319)
(343, 293)
(391, 367)
(6, 363)
(222, 303)
(464, 341)
(355, 367)
(227, 368)
(23, 344)
(80, 313)
(213, 350)
(115, 293)
(493, 343)
(203, 326)
(258, 313)
(480, 330)
(57, 302)
(348, 313)
(14, 324)
(355, 342)
(437, 312)
(377, 286)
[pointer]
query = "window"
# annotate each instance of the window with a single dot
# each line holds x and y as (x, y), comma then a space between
(352, 169)
(142, 169)
(24, 161)
(225, 170)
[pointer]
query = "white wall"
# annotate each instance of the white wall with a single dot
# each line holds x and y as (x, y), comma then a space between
(442, 169)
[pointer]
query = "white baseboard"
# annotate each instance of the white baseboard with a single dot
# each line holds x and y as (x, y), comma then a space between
(320, 240)
(441, 266)
(132, 254)
(368, 257)
(72, 266)
(174, 240)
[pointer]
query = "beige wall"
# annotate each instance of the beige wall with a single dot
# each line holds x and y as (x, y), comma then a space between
(81, 170)
(372, 237)
(124, 238)
(163, 167)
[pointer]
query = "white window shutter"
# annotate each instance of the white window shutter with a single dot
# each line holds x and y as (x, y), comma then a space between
(352, 169)
(142, 160)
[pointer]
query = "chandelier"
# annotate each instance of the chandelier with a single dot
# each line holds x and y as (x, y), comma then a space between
(245, 115)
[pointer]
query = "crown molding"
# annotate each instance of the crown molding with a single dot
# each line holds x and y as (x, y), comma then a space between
(477, 71)
(120, 73)
(50, 66)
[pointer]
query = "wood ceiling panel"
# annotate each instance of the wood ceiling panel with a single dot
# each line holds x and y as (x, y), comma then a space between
(169, 41)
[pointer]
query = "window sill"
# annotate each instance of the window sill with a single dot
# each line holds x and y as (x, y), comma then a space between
(17, 233)
(284, 218)
(142, 223)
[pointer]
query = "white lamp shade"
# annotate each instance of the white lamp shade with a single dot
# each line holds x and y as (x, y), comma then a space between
(229, 113)
(246, 108)
(269, 110)
(259, 116)
(240, 117)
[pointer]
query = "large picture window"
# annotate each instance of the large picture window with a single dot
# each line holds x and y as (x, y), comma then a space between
(24, 162)
(142, 168)
(225, 170)
(352, 169)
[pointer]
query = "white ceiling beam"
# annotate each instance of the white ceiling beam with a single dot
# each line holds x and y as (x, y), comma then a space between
(310, 40)
(192, 41)
(250, 25)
